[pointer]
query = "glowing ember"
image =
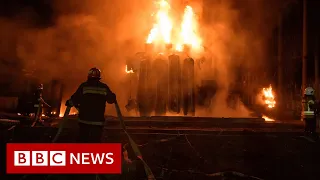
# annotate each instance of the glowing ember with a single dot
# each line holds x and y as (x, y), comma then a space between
(129, 71)
(267, 118)
(268, 97)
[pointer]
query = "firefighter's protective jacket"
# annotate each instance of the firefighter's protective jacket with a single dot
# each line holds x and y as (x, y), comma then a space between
(90, 98)
(37, 95)
(309, 107)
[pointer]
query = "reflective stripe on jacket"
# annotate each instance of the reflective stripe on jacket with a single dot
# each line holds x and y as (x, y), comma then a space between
(95, 90)
(90, 98)
(308, 111)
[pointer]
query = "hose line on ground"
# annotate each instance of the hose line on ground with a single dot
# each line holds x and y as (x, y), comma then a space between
(134, 146)
(64, 120)
(37, 116)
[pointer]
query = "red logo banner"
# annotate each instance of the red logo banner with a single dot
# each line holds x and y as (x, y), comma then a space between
(63, 158)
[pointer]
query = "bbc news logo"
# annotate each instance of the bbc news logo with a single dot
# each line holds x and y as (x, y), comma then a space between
(58, 158)
(36, 158)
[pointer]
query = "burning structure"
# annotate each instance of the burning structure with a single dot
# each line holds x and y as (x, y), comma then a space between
(173, 75)
(167, 78)
(166, 70)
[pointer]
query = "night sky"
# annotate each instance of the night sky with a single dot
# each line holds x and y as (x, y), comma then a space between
(42, 8)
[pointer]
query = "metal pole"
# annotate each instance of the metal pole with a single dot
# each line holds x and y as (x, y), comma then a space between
(316, 67)
(304, 50)
(280, 58)
(316, 71)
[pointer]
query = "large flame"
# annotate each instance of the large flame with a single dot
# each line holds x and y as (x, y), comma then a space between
(188, 34)
(161, 31)
(268, 97)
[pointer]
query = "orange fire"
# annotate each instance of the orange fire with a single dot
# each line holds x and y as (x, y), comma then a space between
(266, 118)
(189, 28)
(73, 111)
(268, 97)
(129, 70)
(165, 31)
(162, 30)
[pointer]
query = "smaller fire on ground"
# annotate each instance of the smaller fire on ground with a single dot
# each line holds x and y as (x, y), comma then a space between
(268, 97)
(269, 100)
(266, 118)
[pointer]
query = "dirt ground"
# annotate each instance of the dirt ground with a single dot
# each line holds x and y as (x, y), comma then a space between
(263, 153)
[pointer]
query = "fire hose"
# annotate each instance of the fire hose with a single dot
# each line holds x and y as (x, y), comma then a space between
(39, 111)
(134, 146)
(37, 115)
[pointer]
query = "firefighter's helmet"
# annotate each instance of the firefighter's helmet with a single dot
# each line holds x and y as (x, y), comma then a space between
(94, 73)
(40, 87)
(309, 91)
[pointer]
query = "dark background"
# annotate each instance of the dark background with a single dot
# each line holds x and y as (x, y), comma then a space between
(292, 41)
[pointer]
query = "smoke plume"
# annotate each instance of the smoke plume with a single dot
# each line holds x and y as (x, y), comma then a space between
(98, 33)
(236, 33)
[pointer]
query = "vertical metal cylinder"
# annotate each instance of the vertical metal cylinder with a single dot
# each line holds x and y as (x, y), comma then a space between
(45, 94)
(188, 89)
(174, 83)
(160, 70)
(304, 52)
(280, 61)
(316, 66)
(56, 97)
(144, 94)
(60, 98)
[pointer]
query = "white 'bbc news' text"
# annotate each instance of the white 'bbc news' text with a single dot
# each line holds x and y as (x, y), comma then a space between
(91, 158)
(58, 158)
